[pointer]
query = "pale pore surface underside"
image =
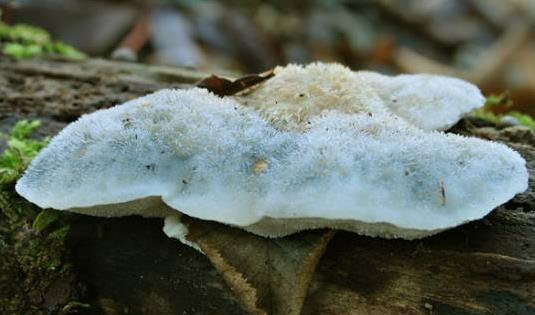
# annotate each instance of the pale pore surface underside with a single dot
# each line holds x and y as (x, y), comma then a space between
(360, 168)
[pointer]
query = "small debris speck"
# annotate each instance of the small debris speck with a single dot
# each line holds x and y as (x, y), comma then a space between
(260, 166)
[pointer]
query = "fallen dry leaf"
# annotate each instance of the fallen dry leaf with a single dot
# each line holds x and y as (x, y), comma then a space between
(268, 275)
(223, 87)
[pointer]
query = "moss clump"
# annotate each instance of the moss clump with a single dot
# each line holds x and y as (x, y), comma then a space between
(35, 277)
(24, 41)
(502, 101)
(21, 149)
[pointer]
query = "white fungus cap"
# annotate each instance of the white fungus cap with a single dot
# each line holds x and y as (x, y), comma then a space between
(342, 161)
(430, 102)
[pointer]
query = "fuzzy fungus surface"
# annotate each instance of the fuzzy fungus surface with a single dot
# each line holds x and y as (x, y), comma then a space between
(430, 102)
(312, 147)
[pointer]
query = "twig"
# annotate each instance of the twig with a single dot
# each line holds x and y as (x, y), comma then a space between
(134, 41)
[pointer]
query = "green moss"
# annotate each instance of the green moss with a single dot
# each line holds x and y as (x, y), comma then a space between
(22, 51)
(35, 276)
(24, 41)
(523, 119)
(485, 114)
(62, 49)
(24, 33)
(21, 149)
(504, 102)
(503, 99)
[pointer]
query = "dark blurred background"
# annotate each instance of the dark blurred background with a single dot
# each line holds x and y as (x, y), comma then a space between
(488, 42)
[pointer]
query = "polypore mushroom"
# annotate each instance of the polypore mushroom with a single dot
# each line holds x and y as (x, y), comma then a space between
(312, 147)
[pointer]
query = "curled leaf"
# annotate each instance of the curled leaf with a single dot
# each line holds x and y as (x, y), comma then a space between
(223, 87)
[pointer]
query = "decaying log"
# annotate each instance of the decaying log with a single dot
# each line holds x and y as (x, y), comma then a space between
(130, 266)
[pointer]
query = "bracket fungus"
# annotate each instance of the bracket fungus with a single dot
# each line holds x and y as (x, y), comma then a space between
(313, 147)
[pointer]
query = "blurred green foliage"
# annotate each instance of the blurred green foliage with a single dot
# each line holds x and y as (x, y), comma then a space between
(25, 41)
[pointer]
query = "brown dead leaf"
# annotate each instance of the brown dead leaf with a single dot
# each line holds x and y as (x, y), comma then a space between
(223, 87)
(268, 275)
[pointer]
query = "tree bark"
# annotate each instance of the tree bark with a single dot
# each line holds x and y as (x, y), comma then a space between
(130, 266)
